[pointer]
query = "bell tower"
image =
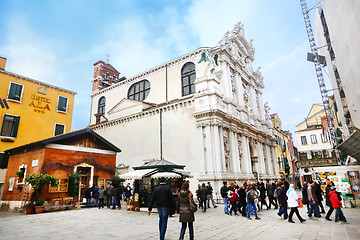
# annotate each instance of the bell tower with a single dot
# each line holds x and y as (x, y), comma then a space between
(105, 75)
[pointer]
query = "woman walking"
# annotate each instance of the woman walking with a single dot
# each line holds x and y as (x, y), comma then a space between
(186, 216)
(293, 203)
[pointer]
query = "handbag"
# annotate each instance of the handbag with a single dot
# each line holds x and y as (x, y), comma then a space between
(192, 205)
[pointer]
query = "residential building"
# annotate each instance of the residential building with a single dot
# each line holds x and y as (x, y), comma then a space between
(313, 141)
(338, 34)
(30, 110)
(282, 148)
(203, 110)
(83, 150)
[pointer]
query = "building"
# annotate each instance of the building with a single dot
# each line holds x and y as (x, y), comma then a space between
(283, 154)
(337, 29)
(82, 150)
(203, 110)
(30, 110)
(314, 146)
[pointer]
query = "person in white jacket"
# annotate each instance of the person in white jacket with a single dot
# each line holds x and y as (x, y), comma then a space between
(293, 203)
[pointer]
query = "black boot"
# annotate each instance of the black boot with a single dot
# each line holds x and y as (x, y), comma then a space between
(181, 236)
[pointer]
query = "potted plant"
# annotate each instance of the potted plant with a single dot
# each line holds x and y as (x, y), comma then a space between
(39, 206)
(20, 182)
(73, 185)
(37, 182)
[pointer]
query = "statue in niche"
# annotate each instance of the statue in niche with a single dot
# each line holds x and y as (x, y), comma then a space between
(226, 149)
(267, 111)
(233, 85)
(239, 146)
(246, 96)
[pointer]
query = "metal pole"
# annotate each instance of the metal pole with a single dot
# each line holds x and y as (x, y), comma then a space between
(78, 207)
(161, 150)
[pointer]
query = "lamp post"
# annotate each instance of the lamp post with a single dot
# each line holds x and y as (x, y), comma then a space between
(78, 207)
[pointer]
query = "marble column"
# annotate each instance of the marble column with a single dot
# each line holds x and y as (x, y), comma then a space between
(246, 159)
(274, 160)
(239, 90)
(261, 160)
(222, 150)
(209, 150)
(202, 143)
(234, 152)
(217, 149)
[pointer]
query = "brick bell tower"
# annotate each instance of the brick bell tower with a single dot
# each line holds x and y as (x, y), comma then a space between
(105, 75)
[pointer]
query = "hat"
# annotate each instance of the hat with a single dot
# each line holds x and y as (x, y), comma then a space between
(333, 188)
(162, 179)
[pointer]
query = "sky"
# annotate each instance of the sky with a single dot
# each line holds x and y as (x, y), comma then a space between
(58, 42)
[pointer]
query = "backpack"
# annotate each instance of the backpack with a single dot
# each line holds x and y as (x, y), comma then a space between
(276, 192)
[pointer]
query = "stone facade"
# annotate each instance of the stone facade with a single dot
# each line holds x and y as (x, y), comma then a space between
(220, 128)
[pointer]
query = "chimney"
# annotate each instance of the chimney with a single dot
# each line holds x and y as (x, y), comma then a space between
(2, 63)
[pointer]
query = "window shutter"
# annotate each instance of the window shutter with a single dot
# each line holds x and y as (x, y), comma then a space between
(15, 127)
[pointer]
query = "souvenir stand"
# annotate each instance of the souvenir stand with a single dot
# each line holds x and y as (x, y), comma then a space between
(147, 177)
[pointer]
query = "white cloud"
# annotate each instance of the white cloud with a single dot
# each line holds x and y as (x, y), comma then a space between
(30, 54)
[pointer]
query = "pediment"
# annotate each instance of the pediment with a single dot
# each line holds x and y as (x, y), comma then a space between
(128, 107)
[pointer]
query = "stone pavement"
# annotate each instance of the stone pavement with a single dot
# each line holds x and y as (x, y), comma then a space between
(214, 224)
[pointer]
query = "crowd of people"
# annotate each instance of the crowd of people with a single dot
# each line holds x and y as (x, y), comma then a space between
(111, 196)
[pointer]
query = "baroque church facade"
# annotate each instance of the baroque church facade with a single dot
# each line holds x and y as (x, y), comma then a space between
(203, 110)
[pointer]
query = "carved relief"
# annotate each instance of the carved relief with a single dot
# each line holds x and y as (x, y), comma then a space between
(267, 111)
(239, 144)
(226, 148)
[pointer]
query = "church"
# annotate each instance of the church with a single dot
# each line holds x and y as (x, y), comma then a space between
(203, 110)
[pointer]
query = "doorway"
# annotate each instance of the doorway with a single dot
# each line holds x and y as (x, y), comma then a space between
(84, 177)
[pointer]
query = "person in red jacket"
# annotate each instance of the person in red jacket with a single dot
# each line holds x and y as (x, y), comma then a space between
(336, 204)
(232, 198)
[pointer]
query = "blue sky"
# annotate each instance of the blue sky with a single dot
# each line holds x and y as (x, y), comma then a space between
(58, 41)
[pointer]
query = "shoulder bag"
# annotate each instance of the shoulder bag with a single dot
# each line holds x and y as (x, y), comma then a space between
(192, 205)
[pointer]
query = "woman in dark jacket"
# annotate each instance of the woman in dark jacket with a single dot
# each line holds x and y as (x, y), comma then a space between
(186, 216)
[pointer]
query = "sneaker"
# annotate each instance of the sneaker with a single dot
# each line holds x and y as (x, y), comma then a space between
(321, 219)
(328, 219)
(215, 206)
(302, 220)
(291, 221)
(227, 213)
(248, 218)
(257, 218)
(310, 217)
(280, 217)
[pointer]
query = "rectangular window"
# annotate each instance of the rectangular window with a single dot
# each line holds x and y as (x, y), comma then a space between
(102, 182)
(313, 138)
(62, 187)
(303, 140)
(10, 126)
(324, 137)
(59, 129)
(15, 92)
(62, 104)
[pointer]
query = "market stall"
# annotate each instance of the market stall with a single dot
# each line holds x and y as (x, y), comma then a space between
(146, 178)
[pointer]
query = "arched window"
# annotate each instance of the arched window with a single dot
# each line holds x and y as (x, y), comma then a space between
(188, 77)
(101, 105)
(139, 91)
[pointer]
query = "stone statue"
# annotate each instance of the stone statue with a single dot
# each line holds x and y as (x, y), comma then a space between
(267, 111)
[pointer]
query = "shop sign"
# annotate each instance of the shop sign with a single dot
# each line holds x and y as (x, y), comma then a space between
(40, 103)
(35, 163)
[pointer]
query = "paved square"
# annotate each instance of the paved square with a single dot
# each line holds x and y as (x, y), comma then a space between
(214, 224)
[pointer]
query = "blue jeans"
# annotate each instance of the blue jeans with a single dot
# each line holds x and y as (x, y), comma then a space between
(191, 229)
(163, 218)
(88, 202)
(249, 206)
(314, 208)
(226, 209)
(114, 202)
(283, 210)
(339, 215)
(96, 201)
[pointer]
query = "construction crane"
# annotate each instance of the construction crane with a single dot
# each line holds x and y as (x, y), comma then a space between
(319, 73)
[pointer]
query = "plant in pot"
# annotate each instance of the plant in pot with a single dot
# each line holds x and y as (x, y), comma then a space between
(37, 182)
(39, 205)
(20, 174)
(73, 185)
